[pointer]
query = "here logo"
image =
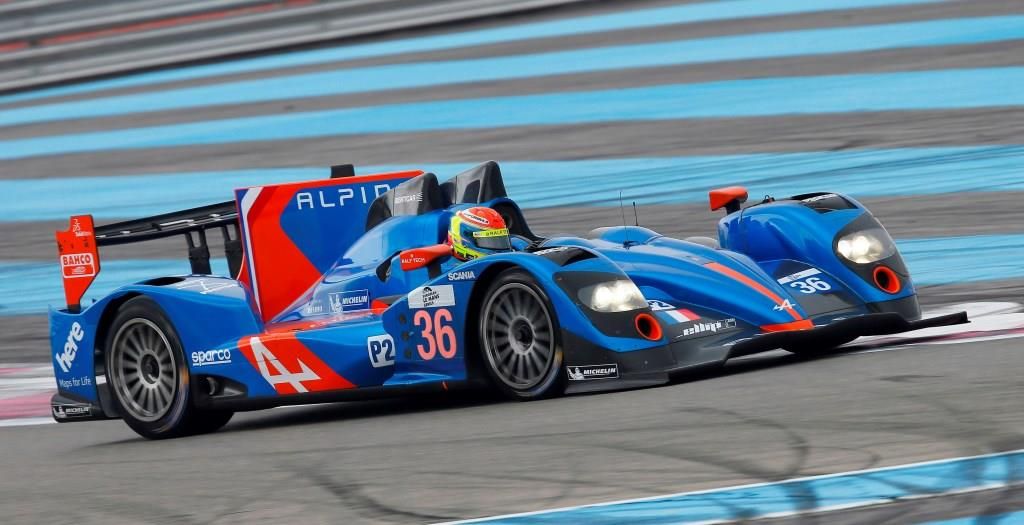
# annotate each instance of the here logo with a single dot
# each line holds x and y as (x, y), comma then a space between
(67, 357)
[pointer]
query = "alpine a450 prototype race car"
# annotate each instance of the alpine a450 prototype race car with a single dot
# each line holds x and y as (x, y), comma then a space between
(348, 288)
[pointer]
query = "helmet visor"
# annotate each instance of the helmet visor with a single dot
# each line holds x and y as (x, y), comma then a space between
(493, 239)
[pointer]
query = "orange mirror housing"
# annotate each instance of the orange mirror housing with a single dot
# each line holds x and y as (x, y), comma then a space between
(729, 198)
(421, 257)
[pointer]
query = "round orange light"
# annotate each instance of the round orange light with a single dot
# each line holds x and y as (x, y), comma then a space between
(887, 280)
(647, 326)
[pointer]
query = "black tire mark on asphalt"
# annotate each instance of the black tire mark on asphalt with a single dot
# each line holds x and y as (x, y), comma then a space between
(349, 494)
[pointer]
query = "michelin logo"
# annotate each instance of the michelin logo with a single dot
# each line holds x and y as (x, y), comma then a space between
(349, 301)
(586, 373)
(71, 411)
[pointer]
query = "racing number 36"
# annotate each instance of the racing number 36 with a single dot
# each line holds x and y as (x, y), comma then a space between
(438, 333)
(811, 285)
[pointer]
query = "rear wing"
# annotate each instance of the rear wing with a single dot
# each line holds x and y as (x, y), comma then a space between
(193, 224)
(78, 246)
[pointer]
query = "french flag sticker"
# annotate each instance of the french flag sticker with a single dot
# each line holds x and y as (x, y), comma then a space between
(682, 315)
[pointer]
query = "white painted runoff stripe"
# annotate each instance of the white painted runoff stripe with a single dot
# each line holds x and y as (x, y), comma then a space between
(26, 421)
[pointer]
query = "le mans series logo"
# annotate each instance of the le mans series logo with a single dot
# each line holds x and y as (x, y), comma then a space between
(432, 296)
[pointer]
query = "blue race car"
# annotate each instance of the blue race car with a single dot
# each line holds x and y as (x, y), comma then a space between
(344, 289)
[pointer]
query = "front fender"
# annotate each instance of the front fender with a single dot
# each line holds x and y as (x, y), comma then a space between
(801, 230)
(429, 357)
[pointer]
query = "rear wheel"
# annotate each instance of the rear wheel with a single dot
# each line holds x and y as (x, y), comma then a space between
(519, 338)
(149, 377)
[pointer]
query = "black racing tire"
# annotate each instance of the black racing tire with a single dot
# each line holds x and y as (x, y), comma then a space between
(148, 375)
(211, 421)
(519, 338)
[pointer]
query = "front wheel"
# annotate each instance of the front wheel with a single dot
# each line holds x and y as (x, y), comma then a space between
(519, 338)
(149, 377)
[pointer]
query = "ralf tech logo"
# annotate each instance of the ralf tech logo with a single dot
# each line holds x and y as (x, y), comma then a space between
(67, 357)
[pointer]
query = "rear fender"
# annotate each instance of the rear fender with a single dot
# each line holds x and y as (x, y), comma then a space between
(207, 312)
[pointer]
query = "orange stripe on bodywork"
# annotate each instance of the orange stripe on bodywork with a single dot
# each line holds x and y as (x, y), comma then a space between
(758, 287)
(804, 324)
(289, 366)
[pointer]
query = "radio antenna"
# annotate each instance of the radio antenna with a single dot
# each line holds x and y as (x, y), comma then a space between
(636, 217)
(622, 208)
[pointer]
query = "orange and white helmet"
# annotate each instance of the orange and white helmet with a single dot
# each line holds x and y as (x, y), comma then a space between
(476, 232)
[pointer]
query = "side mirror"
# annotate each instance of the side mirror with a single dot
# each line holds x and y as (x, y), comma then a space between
(729, 198)
(421, 257)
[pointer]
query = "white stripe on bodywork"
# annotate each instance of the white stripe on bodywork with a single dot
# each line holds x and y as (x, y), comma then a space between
(248, 200)
(799, 275)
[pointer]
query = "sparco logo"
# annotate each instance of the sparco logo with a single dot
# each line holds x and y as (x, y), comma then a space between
(65, 358)
(211, 357)
(713, 327)
(416, 197)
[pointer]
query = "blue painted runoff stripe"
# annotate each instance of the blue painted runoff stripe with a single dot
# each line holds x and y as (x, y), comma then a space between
(680, 52)
(921, 90)
(629, 19)
(792, 497)
(1008, 518)
(28, 287)
(535, 184)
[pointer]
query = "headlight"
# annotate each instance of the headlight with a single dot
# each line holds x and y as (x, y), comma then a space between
(613, 296)
(866, 246)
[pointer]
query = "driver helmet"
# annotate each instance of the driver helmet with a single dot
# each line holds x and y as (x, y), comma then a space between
(476, 232)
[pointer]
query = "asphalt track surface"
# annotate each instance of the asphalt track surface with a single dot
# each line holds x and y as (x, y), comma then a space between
(419, 460)
(465, 455)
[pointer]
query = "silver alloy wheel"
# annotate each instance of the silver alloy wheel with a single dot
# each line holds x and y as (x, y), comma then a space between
(518, 336)
(144, 369)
